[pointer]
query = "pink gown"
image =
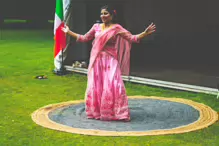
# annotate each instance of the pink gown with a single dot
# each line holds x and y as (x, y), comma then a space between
(106, 97)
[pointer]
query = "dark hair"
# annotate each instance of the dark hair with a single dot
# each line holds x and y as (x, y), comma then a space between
(112, 12)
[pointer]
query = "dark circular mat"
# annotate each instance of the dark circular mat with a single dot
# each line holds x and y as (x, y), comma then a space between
(149, 116)
(146, 114)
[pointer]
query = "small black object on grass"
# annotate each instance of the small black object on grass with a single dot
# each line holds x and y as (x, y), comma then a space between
(41, 77)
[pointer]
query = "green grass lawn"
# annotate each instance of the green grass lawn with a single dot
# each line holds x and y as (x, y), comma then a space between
(27, 53)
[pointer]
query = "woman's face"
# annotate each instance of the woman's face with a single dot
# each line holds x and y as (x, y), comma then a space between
(105, 16)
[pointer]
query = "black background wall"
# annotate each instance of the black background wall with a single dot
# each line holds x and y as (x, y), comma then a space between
(187, 31)
(186, 36)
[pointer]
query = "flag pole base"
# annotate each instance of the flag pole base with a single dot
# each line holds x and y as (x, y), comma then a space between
(61, 72)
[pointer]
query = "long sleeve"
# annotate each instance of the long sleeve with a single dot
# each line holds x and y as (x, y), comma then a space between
(128, 36)
(88, 36)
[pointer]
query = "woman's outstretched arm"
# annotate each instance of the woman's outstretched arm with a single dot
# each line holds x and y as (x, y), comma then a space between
(68, 31)
(135, 38)
(79, 37)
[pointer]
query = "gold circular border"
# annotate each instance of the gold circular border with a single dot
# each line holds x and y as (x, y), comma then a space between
(207, 118)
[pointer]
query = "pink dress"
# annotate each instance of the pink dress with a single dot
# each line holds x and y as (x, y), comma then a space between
(106, 97)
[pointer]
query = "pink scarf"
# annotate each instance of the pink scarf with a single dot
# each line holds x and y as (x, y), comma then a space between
(123, 46)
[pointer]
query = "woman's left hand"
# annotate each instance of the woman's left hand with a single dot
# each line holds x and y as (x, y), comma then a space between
(150, 29)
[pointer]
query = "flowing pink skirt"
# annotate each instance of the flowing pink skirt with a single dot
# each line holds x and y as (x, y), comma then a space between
(106, 97)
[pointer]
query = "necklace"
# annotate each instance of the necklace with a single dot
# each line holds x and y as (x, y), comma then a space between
(104, 26)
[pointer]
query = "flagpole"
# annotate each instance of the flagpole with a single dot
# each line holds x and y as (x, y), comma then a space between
(62, 71)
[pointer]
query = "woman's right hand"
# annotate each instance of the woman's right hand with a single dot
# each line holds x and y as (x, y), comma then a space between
(150, 29)
(65, 29)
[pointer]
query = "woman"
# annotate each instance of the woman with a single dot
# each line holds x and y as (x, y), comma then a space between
(106, 97)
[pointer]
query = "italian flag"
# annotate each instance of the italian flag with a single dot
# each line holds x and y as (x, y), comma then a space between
(59, 35)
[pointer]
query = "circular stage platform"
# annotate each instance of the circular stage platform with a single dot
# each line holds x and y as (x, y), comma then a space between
(149, 116)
